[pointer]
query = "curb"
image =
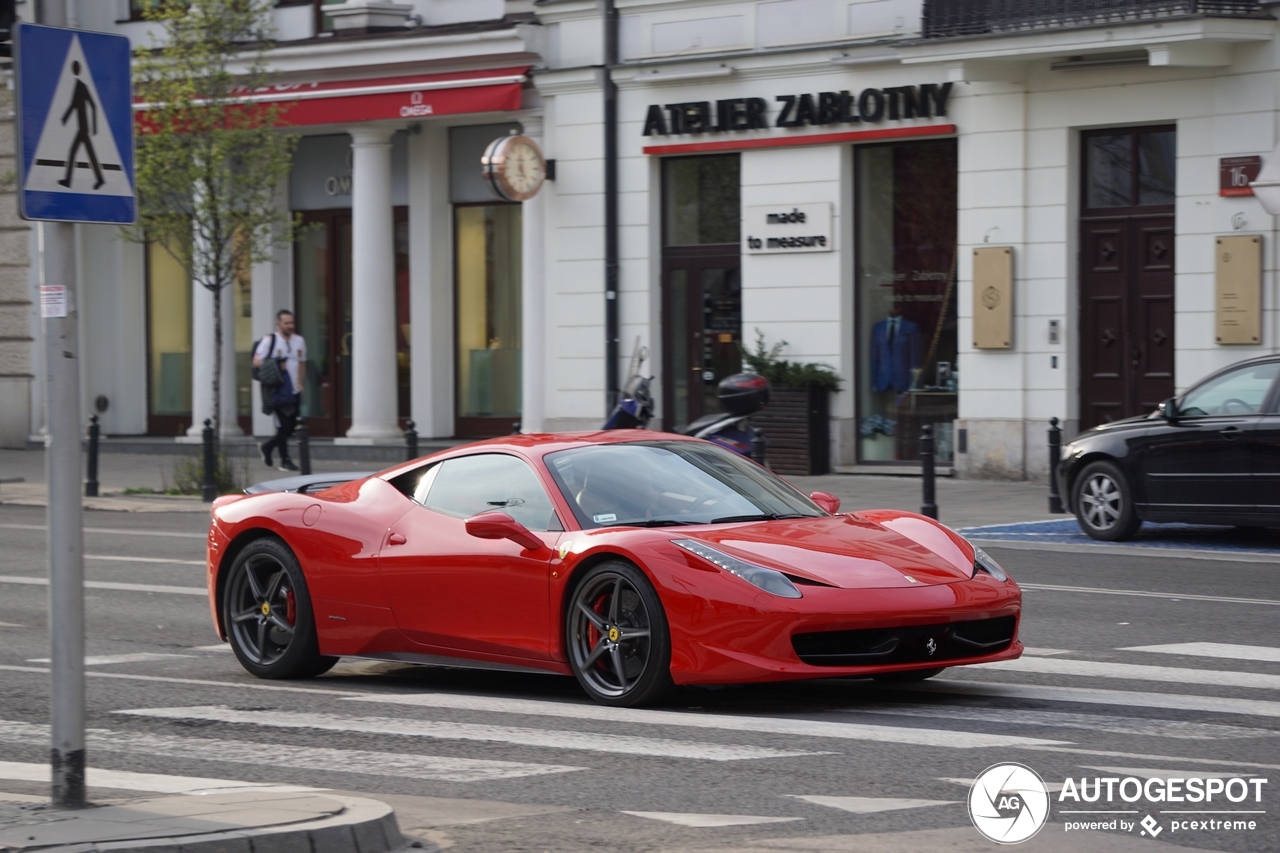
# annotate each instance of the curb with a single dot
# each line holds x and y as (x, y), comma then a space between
(357, 826)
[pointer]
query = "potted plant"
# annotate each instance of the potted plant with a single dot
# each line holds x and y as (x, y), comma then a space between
(796, 423)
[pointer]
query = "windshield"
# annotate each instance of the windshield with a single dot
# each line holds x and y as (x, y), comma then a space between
(669, 483)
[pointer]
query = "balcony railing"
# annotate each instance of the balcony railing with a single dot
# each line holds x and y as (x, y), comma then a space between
(950, 18)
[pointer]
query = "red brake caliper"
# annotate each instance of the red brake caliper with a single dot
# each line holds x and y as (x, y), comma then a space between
(290, 606)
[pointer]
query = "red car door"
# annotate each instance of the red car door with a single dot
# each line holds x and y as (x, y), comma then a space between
(455, 592)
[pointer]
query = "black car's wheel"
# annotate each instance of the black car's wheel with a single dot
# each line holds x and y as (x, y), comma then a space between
(617, 637)
(1104, 503)
(266, 610)
(908, 676)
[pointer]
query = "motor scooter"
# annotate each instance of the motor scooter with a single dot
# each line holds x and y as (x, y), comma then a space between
(741, 395)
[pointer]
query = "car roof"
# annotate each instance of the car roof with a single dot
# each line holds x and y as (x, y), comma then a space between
(539, 444)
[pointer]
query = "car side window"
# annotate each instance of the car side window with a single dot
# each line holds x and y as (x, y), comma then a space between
(470, 485)
(1238, 392)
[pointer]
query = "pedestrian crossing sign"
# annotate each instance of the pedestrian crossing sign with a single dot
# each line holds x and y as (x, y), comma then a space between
(75, 125)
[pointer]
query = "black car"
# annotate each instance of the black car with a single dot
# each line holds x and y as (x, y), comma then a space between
(1211, 456)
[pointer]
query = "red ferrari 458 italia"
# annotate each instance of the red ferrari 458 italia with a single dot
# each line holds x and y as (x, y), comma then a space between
(631, 559)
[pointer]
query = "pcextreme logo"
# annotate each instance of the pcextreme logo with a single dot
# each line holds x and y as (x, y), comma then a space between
(1009, 803)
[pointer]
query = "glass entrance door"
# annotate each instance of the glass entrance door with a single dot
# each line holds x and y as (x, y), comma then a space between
(322, 306)
(703, 324)
(701, 283)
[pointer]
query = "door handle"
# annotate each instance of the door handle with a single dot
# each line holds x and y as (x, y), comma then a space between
(396, 539)
(1230, 432)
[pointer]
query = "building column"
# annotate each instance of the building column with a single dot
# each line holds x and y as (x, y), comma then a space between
(373, 296)
(430, 283)
(533, 302)
(202, 364)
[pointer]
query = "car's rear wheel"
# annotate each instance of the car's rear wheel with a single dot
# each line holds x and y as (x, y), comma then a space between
(617, 637)
(908, 675)
(266, 610)
(1104, 503)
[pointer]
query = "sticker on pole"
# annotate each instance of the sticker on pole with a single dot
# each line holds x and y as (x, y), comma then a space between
(75, 116)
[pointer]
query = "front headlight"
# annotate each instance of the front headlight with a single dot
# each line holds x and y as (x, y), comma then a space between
(769, 580)
(982, 562)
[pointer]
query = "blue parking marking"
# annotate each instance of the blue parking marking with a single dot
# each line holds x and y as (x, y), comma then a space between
(1200, 537)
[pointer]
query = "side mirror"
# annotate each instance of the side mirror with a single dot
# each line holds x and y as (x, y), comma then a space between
(499, 525)
(827, 501)
(1169, 408)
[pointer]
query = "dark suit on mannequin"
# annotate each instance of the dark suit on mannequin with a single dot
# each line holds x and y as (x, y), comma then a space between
(895, 353)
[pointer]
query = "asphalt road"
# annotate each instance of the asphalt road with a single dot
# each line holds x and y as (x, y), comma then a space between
(480, 761)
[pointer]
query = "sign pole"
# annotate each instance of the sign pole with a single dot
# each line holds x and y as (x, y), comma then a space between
(59, 312)
(65, 514)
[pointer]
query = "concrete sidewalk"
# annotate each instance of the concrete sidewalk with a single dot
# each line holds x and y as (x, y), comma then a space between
(961, 503)
(247, 822)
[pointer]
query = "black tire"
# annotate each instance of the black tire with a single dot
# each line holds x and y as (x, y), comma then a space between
(1103, 503)
(617, 637)
(264, 587)
(908, 675)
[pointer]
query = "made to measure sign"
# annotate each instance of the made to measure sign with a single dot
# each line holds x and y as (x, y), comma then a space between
(781, 228)
(75, 125)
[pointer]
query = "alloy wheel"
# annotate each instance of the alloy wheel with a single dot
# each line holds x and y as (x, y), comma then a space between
(610, 634)
(262, 609)
(1101, 502)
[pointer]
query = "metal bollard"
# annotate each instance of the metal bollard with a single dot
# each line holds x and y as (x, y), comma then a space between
(91, 484)
(209, 489)
(411, 442)
(304, 448)
(516, 428)
(929, 505)
(758, 445)
(1055, 456)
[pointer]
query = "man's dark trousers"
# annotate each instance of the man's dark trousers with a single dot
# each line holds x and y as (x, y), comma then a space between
(288, 418)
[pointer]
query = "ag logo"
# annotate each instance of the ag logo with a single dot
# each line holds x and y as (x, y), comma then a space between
(1008, 803)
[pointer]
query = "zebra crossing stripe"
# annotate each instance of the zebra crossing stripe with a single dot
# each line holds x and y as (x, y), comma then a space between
(1176, 729)
(1098, 696)
(871, 805)
(445, 730)
(158, 783)
(723, 722)
(1138, 672)
(430, 767)
(710, 821)
(1230, 651)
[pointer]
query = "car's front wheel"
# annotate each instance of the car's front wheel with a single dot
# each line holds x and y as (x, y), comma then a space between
(617, 636)
(266, 611)
(1104, 503)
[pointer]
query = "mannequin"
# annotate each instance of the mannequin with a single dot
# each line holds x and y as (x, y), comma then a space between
(895, 352)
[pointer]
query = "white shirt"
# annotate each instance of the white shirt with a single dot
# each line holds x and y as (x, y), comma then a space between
(292, 349)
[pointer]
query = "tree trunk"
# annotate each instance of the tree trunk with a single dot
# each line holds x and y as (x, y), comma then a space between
(217, 364)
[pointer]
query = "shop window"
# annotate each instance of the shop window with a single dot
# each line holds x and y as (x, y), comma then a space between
(168, 342)
(1130, 168)
(487, 258)
(906, 298)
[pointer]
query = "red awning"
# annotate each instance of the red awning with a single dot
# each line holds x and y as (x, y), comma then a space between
(413, 96)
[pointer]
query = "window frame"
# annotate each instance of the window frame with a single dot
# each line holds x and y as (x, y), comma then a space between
(1133, 132)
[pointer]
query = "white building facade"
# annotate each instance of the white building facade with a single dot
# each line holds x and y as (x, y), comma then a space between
(1086, 150)
(832, 174)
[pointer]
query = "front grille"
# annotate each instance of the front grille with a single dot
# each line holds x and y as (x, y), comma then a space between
(880, 646)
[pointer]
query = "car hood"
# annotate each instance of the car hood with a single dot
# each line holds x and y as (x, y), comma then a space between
(1136, 422)
(872, 550)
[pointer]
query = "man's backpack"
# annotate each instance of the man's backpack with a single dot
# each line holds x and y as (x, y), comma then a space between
(269, 373)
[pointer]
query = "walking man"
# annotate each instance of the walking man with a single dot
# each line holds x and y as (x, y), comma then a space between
(289, 351)
(80, 99)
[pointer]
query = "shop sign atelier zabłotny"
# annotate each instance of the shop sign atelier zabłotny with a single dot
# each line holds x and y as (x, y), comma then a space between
(894, 103)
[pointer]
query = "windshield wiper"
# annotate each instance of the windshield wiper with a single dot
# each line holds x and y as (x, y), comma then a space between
(759, 516)
(654, 522)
